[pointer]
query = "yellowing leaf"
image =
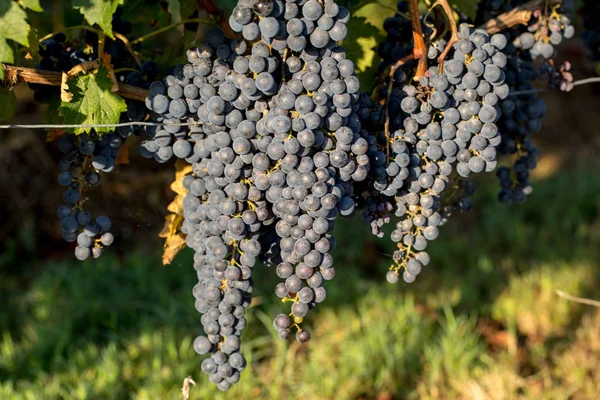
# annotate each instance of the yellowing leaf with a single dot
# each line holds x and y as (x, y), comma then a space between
(174, 240)
(93, 102)
(98, 12)
(182, 168)
(171, 232)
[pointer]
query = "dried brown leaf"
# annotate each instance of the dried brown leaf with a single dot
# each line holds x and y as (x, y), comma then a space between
(171, 232)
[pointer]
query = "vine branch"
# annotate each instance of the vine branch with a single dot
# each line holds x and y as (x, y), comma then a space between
(52, 78)
(420, 49)
(453, 29)
(169, 27)
(517, 16)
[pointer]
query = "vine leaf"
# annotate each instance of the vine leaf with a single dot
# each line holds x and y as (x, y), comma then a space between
(99, 12)
(376, 13)
(6, 54)
(13, 26)
(13, 23)
(361, 44)
(467, 7)
(34, 46)
(33, 5)
(9, 104)
(93, 102)
(171, 232)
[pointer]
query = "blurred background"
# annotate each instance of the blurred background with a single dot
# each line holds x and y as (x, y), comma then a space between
(483, 321)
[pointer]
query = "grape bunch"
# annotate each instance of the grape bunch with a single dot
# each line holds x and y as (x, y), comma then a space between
(441, 129)
(61, 53)
(398, 40)
(85, 157)
(57, 55)
(223, 216)
(522, 113)
(275, 147)
(545, 33)
(312, 115)
(549, 26)
(281, 142)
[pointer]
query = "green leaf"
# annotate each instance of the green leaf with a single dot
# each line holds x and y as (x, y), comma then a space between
(6, 54)
(93, 102)
(52, 115)
(13, 23)
(467, 7)
(32, 5)
(376, 13)
(99, 12)
(361, 44)
(33, 39)
(9, 104)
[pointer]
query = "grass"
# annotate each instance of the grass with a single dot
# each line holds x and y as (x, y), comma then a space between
(483, 321)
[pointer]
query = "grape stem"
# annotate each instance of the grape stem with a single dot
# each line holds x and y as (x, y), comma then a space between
(386, 126)
(453, 29)
(576, 83)
(70, 28)
(101, 39)
(420, 49)
(53, 78)
(169, 27)
(517, 16)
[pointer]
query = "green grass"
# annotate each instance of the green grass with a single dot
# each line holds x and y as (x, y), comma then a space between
(482, 322)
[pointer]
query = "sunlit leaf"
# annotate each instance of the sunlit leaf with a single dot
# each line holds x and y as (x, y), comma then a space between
(361, 45)
(93, 102)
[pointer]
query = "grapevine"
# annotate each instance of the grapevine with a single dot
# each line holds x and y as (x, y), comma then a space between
(276, 136)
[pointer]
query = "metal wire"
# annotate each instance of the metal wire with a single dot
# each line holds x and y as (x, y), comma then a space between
(122, 124)
(196, 123)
